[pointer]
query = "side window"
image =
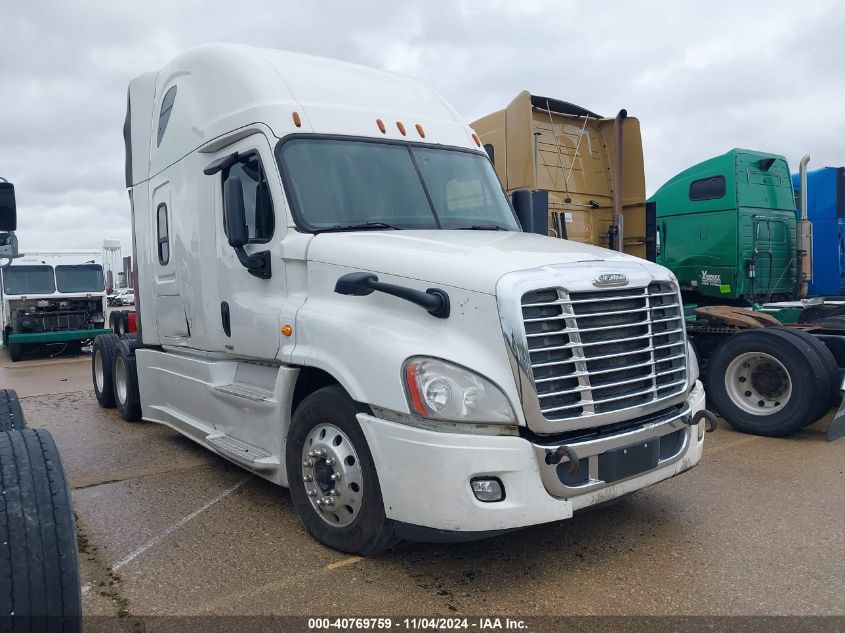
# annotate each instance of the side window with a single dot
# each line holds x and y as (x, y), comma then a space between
(707, 188)
(490, 152)
(163, 235)
(164, 115)
(258, 203)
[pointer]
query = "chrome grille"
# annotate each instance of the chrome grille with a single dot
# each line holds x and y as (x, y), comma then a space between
(599, 351)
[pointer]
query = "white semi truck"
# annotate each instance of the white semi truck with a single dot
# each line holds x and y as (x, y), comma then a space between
(334, 292)
(52, 298)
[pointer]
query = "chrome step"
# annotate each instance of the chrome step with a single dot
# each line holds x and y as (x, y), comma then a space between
(251, 456)
(242, 390)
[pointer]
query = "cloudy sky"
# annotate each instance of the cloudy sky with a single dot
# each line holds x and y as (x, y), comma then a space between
(702, 77)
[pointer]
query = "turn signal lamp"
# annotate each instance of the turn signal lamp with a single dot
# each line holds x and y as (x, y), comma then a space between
(287, 330)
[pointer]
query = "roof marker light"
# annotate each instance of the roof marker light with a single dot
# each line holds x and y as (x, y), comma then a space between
(381, 126)
(401, 127)
(297, 121)
(420, 130)
(476, 139)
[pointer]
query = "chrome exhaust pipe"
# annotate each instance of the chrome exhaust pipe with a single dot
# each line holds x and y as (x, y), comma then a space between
(618, 219)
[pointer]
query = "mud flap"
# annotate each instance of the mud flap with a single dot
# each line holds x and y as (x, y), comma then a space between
(837, 425)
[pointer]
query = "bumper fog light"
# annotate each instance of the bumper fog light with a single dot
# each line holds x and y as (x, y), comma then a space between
(487, 489)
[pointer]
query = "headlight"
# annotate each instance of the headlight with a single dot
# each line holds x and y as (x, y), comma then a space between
(440, 390)
(692, 365)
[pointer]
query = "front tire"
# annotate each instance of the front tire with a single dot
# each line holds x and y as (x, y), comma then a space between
(332, 477)
(15, 352)
(766, 382)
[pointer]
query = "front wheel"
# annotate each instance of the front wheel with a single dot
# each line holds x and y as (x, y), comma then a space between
(332, 477)
(766, 382)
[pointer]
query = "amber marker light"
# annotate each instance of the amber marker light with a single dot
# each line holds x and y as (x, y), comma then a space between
(381, 126)
(414, 390)
(297, 121)
(287, 330)
(420, 130)
(476, 139)
(401, 127)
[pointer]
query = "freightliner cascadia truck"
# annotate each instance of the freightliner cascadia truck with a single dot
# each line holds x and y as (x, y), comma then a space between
(334, 293)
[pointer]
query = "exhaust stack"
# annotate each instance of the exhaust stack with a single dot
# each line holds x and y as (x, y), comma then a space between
(804, 234)
(618, 220)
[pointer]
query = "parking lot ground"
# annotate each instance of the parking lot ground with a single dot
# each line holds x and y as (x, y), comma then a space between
(167, 527)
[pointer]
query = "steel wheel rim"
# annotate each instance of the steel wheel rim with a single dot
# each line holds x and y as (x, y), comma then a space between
(120, 380)
(99, 376)
(758, 383)
(331, 475)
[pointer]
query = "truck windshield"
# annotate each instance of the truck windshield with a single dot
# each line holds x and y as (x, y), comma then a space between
(28, 280)
(346, 185)
(81, 278)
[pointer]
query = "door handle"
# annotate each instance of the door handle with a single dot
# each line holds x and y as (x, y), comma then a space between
(225, 318)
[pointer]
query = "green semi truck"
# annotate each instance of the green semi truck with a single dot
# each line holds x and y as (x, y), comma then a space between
(729, 229)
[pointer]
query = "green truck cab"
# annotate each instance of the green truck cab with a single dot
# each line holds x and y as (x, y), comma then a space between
(727, 228)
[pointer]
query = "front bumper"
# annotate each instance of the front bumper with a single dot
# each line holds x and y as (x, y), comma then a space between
(425, 475)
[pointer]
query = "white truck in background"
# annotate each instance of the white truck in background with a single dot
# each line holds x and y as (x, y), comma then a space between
(334, 292)
(52, 298)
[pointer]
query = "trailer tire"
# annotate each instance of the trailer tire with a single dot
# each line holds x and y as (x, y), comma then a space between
(102, 367)
(11, 413)
(127, 398)
(39, 565)
(363, 527)
(16, 351)
(777, 371)
(829, 362)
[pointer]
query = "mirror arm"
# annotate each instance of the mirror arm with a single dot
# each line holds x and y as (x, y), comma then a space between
(257, 264)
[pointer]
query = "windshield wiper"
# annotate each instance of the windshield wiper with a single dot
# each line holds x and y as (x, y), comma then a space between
(363, 226)
(483, 227)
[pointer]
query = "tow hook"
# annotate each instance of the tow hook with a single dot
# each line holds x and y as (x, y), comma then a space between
(554, 456)
(707, 415)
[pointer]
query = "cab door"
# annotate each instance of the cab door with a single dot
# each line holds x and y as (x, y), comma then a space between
(249, 307)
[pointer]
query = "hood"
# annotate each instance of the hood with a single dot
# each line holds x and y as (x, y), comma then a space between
(472, 260)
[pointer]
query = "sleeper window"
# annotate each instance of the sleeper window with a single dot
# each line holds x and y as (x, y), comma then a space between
(258, 204)
(163, 235)
(707, 188)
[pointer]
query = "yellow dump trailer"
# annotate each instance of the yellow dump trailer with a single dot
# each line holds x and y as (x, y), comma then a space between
(547, 145)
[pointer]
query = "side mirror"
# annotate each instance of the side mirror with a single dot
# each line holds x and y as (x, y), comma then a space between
(8, 209)
(8, 246)
(234, 212)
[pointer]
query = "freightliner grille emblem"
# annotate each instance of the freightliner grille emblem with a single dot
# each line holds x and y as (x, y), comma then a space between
(606, 280)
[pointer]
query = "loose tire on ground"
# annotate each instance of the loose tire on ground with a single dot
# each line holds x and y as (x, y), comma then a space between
(39, 567)
(11, 414)
(793, 361)
(829, 362)
(370, 531)
(127, 398)
(102, 363)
